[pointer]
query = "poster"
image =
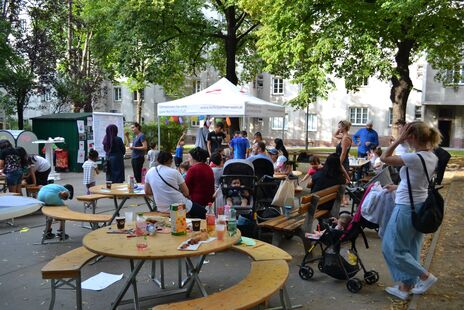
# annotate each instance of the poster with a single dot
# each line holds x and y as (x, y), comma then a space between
(89, 121)
(80, 156)
(81, 145)
(80, 126)
(90, 145)
(82, 136)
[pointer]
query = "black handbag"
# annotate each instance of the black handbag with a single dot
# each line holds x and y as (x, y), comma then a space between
(430, 216)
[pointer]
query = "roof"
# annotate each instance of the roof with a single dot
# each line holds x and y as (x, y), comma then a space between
(63, 116)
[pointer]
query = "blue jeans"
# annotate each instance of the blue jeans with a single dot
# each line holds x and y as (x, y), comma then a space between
(401, 246)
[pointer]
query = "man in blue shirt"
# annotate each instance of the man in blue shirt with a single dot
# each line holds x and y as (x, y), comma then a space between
(261, 150)
(240, 145)
(368, 139)
(53, 195)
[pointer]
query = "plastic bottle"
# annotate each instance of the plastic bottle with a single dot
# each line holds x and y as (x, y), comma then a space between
(210, 219)
(232, 222)
(140, 225)
(131, 184)
(227, 212)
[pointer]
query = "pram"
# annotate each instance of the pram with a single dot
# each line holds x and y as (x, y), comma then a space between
(332, 262)
(243, 170)
(265, 190)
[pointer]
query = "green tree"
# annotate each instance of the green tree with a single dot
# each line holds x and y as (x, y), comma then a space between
(313, 41)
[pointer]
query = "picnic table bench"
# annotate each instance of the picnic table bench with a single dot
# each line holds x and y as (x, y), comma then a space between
(67, 266)
(300, 220)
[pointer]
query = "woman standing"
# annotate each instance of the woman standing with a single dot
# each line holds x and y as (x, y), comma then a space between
(115, 150)
(10, 165)
(344, 146)
(138, 147)
(200, 177)
(402, 243)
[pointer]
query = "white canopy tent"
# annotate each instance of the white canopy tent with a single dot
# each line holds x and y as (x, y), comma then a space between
(220, 99)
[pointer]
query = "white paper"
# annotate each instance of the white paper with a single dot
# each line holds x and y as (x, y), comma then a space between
(100, 281)
(89, 121)
(80, 126)
(81, 156)
(81, 145)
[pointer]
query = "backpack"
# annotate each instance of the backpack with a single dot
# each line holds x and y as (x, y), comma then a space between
(429, 217)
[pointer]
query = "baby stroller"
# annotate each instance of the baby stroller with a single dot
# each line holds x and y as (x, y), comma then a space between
(332, 262)
(266, 188)
(242, 170)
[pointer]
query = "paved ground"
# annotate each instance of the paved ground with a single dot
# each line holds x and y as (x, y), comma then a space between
(21, 285)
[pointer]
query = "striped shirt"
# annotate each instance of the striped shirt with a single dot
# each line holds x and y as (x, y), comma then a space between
(89, 167)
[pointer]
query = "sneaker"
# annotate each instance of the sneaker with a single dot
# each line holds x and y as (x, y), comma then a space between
(60, 235)
(49, 235)
(395, 291)
(422, 286)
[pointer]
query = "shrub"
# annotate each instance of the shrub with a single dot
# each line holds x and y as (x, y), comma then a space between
(170, 134)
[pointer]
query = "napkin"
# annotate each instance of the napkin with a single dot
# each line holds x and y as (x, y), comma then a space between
(194, 247)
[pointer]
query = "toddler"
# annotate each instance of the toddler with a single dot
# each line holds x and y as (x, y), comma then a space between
(315, 166)
(90, 168)
(342, 222)
(236, 194)
(374, 158)
(152, 156)
(183, 168)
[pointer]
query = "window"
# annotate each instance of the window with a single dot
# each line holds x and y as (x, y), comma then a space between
(418, 112)
(277, 86)
(117, 93)
(260, 81)
(456, 76)
(277, 123)
(142, 93)
(47, 96)
(358, 116)
(196, 86)
(390, 116)
(312, 122)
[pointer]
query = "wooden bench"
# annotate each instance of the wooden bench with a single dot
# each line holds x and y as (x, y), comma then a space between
(90, 201)
(63, 213)
(263, 251)
(264, 279)
(301, 219)
(65, 271)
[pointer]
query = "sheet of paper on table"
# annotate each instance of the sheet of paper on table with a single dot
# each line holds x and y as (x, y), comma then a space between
(100, 281)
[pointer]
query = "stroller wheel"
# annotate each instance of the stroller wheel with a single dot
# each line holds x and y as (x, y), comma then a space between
(306, 272)
(354, 285)
(371, 277)
(320, 266)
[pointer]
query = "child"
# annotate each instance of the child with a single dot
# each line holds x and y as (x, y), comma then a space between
(342, 222)
(236, 195)
(179, 151)
(90, 170)
(315, 165)
(53, 195)
(28, 174)
(183, 168)
(377, 164)
(217, 164)
(152, 156)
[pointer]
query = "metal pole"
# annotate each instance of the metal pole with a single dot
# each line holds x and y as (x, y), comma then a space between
(159, 134)
(283, 128)
(307, 123)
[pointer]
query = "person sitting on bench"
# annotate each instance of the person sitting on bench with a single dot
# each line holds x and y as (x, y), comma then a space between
(53, 195)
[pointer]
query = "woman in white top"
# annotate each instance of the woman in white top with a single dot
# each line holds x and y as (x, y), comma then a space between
(41, 168)
(402, 243)
(168, 187)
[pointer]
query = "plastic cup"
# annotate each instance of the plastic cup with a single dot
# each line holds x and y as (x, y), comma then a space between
(120, 222)
(287, 210)
(142, 243)
(220, 231)
(129, 216)
(196, 224)
(108, 184)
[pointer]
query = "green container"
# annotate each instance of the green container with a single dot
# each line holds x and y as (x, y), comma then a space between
(63, 125)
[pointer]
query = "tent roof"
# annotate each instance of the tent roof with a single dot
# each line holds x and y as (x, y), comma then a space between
(220, 99)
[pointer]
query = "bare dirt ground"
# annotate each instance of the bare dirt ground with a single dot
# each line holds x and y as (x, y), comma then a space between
(447, 263)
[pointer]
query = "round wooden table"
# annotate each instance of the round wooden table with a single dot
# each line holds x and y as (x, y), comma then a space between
(120, 190)
(106, 242)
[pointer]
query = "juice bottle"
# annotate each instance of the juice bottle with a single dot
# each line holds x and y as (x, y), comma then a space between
(131, 184)
(178, 219)
(210, 219)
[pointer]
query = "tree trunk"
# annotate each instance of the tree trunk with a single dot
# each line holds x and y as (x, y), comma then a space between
(20, 109)
(401, 83)
(231, 44)
(139, 106)
(70, 33)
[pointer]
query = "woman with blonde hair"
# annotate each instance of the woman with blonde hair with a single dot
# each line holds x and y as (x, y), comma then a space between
(402, 243)
(344, 146)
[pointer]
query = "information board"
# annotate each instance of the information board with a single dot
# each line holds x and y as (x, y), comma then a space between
(101, 120)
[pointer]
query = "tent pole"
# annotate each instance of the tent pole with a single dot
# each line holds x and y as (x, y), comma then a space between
(306, 127)
(243, 123)
(159, 134)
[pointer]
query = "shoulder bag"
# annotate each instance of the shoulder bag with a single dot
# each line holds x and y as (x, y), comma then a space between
(429, 217)
(162, 179)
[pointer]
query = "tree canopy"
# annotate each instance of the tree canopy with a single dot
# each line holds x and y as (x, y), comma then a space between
(313, 41)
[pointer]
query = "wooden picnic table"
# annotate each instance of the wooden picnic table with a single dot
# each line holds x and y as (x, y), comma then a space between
(161, 246)
(120, 190)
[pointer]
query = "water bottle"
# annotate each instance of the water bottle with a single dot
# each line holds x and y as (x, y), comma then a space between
(210, 219)
(140, 225)
(227, 212)
(232, 222)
